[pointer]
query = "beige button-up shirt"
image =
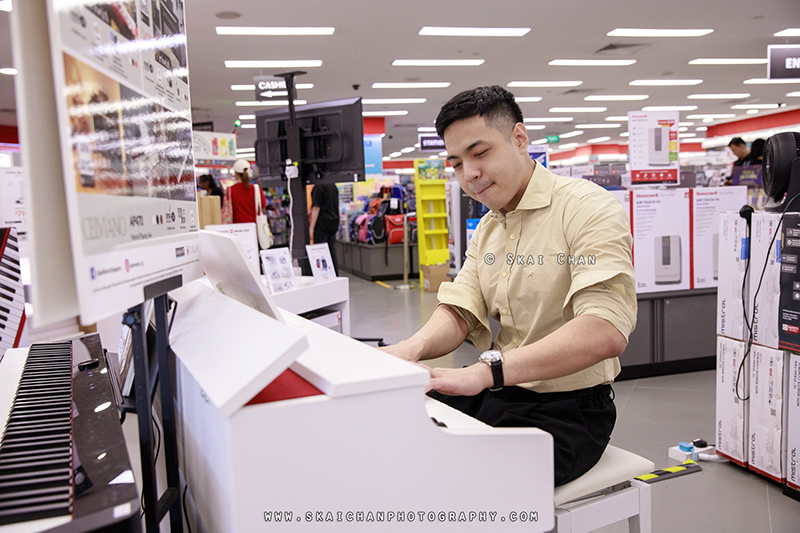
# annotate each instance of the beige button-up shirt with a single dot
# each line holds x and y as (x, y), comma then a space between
(565, 251)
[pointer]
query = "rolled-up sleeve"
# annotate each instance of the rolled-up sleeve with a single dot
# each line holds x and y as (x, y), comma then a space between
(465, 296)
(603, 283)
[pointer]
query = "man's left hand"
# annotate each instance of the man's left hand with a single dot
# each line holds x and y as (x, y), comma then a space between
(467, 381)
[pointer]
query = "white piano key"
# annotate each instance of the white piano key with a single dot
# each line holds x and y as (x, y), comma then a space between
(452, 418)
(11, 367)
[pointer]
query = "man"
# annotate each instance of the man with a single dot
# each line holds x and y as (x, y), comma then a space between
(740, 150)
(325, 218)
(551, 262)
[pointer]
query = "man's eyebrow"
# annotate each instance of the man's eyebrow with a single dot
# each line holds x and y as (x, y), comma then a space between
(468, 150)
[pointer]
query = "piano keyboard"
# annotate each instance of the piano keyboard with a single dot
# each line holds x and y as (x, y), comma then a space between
(12, 297)
(36, 448)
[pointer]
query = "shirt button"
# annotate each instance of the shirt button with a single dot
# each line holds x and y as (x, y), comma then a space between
(504, 311)
(512, 236)
(505, 274)
(515, 340)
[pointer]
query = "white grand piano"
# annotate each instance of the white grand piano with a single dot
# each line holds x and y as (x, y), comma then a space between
(293, 422)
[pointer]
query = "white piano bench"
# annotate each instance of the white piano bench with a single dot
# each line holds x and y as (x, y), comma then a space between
(606, 494)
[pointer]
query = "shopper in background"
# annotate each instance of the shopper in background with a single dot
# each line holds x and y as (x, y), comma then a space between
(757, 151)
(552, 263)
(209, 185)
(240, 197)
(325, 218)
(740, 150)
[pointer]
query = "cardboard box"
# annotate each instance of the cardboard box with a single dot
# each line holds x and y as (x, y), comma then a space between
(793, 423)
(767, 415)
(766, 325)
(209, 210)
(789, 315)
(732, 415)
(660, 220)
(706, 205)
(733, 248)
(433, 276)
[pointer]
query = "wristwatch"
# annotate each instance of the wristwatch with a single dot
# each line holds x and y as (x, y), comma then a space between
(494, 358)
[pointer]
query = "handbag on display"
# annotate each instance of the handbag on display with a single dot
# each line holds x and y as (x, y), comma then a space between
(377, 229)
(262, 223)
(227, 208)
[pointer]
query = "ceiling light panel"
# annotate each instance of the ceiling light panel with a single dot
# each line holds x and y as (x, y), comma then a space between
(599, 140)
(273, 30)
(755, 106)
(527, 99)
(247, 117)
(9, 71)
(620, 118)
(545, 83)
(265, 103)
(712, 116)
(548, 119)
(766, 81)
(664, 82)
(718, 96)
(567, 146)
(571, 134)
(276, 63)
(444, 31)
(669, 108)
(426, 129)
(598, 126)
(535, 126)
(616, 97)
(437, 62)
(793, 94)
(648, 32)
(728, 61)
(412, 85)
(389, 101)
(578, 109)
(384, 113)
(788, 32)
(591, 62)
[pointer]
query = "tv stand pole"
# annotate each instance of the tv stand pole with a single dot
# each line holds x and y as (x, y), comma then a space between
(297, 187)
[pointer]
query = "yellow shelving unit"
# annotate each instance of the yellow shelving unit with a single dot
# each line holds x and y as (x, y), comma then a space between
(432, 228)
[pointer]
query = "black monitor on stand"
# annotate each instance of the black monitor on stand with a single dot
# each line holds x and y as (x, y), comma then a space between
(326, 140)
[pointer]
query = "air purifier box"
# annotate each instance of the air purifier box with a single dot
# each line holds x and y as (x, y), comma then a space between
(789, 313)
(706, 205)
(660, 220)
(733, 378)
(765, 308)
(658, 145)
(732, 285)
(767, 413)
(793, 423)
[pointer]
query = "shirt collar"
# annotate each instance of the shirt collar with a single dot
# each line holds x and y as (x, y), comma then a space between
(537, 194)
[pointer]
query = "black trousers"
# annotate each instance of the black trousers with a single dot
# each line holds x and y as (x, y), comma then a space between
(580, 421)
(321, 236)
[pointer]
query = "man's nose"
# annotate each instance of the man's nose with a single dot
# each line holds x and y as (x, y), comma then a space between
(471, 172)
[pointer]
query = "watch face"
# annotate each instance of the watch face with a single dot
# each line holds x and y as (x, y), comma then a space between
(492, 356)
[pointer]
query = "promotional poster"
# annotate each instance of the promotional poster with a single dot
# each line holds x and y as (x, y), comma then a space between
(653, 147)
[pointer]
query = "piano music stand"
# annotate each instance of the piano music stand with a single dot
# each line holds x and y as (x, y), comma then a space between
(154, 507)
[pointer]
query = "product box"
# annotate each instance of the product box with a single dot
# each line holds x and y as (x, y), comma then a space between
(767, 414)
(247, 236)
(732, 415)
(433, 276)
(793, 423)
(660, 220)
(789, 315)
(706, 205)
(209, 210)
(733, 249)
(765, 309)
(624, 198)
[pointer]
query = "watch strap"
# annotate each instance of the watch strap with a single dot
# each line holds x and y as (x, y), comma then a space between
(497, 375)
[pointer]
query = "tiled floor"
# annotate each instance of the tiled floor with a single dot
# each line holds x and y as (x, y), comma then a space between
(653, 414)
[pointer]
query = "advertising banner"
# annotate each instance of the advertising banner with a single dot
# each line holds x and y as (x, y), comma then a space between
(124, 115)
(653, 147)
(214, 146)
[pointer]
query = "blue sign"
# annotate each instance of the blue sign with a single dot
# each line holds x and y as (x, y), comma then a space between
(538, 153)
(373, 154)
(747, 175)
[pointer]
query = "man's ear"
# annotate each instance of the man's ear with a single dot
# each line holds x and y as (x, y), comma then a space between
(519, 137)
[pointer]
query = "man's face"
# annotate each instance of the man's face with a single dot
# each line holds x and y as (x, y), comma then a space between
(740, 150)
(491, 167)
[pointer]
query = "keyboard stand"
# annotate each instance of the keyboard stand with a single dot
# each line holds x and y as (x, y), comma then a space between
(156, 508)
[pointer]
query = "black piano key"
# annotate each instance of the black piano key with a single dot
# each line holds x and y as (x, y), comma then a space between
(7, 257)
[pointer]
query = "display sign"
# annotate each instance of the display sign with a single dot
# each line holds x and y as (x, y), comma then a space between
(319, 257)
(430, 143)
(214, 145)
(124, 115)
(12, 200)
(783, 61)
(653, 147)
(539, 153)
(748, 175)
(268, 87)
(373, 154)
(553, 138)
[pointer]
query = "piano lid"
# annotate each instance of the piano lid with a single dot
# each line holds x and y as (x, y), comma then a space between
(232, 350)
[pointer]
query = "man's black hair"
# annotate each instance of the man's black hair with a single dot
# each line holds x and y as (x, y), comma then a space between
(495, 104)
(738, 141)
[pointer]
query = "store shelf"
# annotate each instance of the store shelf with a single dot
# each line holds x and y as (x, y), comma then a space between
(432, 231)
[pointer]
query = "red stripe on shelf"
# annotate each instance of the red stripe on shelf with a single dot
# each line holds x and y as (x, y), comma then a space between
(285, 387)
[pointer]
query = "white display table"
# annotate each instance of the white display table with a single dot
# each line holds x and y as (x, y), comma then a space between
(334, 295)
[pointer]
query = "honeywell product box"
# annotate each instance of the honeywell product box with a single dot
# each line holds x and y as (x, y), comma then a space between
(624, 198)
(733, 249)
(706, 205)
(765, 308)
(767, 414)
(789, 313)
(793, 423)
(732, 387)
(660, 220)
